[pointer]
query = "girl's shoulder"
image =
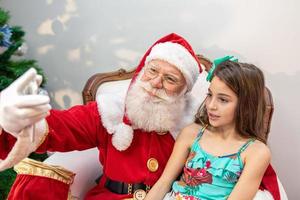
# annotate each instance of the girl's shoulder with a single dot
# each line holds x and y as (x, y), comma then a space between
(189, 133)
(258, 150)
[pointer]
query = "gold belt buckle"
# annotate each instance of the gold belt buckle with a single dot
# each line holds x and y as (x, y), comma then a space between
(139, 194)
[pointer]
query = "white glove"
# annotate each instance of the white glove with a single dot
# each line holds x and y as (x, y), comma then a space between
(20, 108)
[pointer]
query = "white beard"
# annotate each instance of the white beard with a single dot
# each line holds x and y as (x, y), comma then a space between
(161, 114)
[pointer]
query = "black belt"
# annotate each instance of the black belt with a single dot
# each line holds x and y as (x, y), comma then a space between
(125, 188)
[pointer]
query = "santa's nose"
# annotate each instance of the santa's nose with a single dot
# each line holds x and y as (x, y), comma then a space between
(156, 82)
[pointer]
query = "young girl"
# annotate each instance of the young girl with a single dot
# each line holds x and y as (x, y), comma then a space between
(223, 154)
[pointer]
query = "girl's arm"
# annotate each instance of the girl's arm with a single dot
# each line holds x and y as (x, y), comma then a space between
(257, 159)
(175, 164)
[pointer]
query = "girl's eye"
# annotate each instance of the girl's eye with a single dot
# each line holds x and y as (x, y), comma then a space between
(223, 100)
(208, 94)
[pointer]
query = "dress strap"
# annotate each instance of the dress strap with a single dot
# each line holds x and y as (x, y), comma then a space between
(201, 132)
(243, 148)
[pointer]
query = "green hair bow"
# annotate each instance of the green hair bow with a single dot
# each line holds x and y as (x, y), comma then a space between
(216, 62)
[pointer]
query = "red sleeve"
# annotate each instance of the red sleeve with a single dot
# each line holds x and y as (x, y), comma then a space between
(269, 182)
(78, 128)
(6, 143)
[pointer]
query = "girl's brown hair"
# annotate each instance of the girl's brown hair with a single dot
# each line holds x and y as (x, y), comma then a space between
(247, 82)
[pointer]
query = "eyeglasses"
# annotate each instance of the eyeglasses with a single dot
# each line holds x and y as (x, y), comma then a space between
(152, 72)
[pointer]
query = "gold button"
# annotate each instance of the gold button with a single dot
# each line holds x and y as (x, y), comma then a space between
(139, 194)
(152, 164)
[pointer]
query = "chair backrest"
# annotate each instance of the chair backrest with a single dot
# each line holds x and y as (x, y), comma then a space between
(118, 81)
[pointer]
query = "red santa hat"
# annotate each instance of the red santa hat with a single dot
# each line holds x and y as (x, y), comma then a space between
(175, 50)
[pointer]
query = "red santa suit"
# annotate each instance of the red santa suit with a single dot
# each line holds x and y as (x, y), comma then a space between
(132, 159)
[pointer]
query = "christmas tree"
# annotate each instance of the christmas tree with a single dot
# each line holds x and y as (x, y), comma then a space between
(11, 43)
(12, 47)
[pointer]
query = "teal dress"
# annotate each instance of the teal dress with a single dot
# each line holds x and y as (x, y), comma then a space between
(208, 177)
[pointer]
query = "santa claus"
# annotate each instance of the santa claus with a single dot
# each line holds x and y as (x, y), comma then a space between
(135, 138)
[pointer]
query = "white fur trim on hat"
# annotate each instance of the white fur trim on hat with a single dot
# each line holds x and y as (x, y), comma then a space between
(122, 137)
(178, 56)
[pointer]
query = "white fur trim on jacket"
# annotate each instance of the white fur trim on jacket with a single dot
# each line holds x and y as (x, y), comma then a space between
(111, 109)
(179, 56)
(263, 195)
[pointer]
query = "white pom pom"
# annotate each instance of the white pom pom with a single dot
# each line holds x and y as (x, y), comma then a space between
(122, 137)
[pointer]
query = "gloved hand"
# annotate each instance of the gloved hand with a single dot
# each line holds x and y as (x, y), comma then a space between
(20, 108)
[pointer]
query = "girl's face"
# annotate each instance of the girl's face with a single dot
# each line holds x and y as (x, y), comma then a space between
(221, 103)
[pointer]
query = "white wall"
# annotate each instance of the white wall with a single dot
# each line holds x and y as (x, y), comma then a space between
(73, 39)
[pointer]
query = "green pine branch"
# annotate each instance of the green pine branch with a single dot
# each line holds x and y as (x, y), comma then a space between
(4, 17)
(17, 33)
(5, 56)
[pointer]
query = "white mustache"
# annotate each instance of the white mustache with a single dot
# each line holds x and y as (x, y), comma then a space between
(159, 93)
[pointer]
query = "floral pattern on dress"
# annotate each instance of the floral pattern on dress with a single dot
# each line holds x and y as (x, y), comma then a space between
(231, 177)
(193, 177)
(179, 196)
